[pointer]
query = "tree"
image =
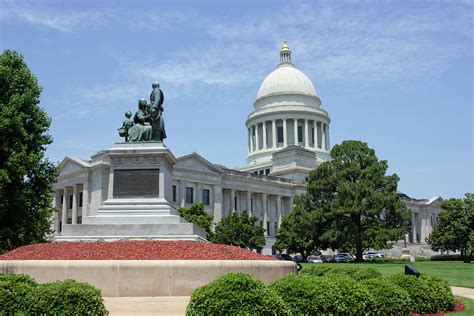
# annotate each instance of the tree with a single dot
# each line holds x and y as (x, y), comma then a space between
(298, 232)
(356, 201)
(197, 215)
(455, 227)
(26, 176)
(238, 229)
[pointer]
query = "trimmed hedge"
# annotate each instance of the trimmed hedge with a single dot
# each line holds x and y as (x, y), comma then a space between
(447, 258)
(429, 294)
(21, 294)
(334, 294)
(389, 299)
(236, 294)
(358, 273)
(15, 294)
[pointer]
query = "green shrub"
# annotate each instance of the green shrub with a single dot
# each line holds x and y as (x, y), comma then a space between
(68, 297)
(236, 294)
(331, 294)
(386, 260)
(358, 273)
(20, 294)
(429, 294)
(446, 258)
(389, 299)
(15, 293)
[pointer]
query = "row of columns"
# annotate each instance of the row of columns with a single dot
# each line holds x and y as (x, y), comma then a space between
(320, 130)
(264, 212)
(181, 193)
(75, 188)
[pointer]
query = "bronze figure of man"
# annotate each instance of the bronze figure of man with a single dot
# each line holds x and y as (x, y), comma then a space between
(156, 113)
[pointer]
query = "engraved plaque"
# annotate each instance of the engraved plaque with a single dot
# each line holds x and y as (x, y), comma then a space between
(136, 183)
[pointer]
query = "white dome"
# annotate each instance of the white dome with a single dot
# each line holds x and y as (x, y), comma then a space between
(286, 79)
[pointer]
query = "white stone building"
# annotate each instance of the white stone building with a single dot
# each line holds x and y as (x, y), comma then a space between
(288, 135)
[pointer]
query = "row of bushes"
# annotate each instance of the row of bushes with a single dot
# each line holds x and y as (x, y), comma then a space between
(20, 294)
(447, 258)
(323, 290)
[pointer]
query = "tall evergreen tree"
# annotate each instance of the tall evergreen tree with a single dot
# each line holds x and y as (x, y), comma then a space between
(356, 201)
(26, 177)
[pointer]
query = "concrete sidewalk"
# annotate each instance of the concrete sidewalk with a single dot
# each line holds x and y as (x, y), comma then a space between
(463, 291)
(162, 305)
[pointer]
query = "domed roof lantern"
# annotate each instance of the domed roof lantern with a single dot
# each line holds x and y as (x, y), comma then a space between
(285, 55)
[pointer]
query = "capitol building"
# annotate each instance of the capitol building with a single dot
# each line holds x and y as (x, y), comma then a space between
(288, 135)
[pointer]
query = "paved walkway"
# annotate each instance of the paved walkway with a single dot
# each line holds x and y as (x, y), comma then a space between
(463, 291)
(163, 305)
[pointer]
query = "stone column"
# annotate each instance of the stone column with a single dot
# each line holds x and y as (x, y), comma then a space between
(85, 199)
(257, 145)
(285, 134)
(413, 226)
(64, 208)
(182, 193)
(74, 204)
(264, 211)
(264, 135)
(296, 131)
(217, 203)
(249, 140)
(232, 200)
(279, 216)
(327, 137)
(315, 134)
(306, 134)
(323, 136)
(198, 192)
(274, 135)
(249, 202)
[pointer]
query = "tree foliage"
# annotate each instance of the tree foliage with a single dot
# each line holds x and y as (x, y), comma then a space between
(455, 227)
(26, 177)
(238, 229)
(197, 215)
(298, 232)
(351, 204)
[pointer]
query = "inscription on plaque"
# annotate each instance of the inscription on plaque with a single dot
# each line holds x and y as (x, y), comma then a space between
(136, 183)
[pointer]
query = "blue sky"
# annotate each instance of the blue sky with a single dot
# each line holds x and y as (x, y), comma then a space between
(397, 75)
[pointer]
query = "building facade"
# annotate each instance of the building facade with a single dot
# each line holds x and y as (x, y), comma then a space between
(288, 136)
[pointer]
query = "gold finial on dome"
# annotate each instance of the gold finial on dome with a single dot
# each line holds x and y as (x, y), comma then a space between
(285, 55)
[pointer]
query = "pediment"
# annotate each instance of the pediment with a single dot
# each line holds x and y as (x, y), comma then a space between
(71, 165)
(197, 163)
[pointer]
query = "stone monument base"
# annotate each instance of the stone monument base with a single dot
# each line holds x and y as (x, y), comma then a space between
(137, 204)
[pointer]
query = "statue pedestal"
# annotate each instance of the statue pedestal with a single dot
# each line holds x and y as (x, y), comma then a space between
(138, 195)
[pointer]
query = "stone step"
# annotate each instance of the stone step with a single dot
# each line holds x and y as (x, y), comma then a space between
(131, 219)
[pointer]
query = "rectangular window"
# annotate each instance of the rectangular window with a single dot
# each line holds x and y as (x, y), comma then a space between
(312, 135)
(189, 195)
(300, 134)
(80, 199)
(206, 197)
(255, 172)
(276, 228)
(280, 134)
(174, 193)
(251, 205)
(268, 228)
(235, 203)
(261, 172)
(79, 219)
(62, 199)
(70, 201)
(267, 171)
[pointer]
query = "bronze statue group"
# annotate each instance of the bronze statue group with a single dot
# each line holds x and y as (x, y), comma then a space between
(148, 123)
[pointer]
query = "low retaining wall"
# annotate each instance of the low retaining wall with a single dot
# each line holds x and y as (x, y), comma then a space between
(145, 277)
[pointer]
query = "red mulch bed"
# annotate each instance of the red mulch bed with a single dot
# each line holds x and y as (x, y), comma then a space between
(131, 250)
(458, 307)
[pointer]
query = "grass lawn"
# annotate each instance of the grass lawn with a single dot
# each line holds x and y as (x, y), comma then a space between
(468, 305)
(457, 273)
